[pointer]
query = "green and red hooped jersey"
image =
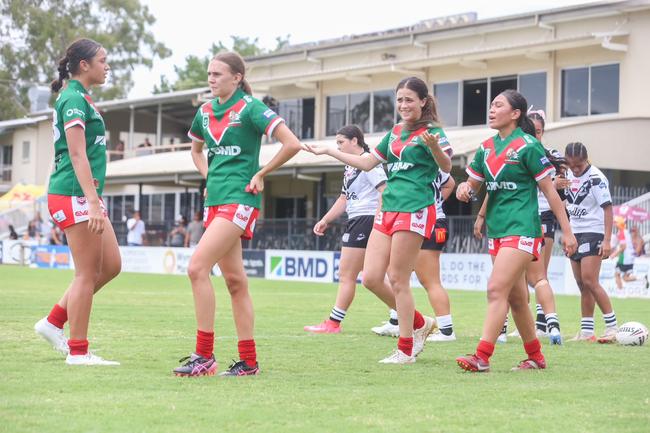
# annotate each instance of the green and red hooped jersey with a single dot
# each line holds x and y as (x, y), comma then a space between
(411, 168)
(511, 169)
(233, 134)
(74, 107)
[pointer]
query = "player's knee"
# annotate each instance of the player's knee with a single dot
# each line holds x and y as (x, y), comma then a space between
(236, 282)
(371, 281)
(196, 271)
(398, 281)
(540, 284)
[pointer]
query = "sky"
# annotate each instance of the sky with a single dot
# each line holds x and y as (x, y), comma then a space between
(191, 26)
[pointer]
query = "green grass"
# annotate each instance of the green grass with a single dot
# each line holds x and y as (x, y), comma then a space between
(309, 383)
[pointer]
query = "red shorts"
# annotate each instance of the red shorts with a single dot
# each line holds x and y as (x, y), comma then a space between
(420, 222)
(530, 245)
(243, 216)
(68, 210)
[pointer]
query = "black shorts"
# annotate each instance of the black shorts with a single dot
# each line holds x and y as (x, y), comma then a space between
(624, 269)
(357, 231)
(548, 223)
(588, 245)
(439, 237)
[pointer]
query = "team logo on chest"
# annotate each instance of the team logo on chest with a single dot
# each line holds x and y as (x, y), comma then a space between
(495, 163)
(217, 128)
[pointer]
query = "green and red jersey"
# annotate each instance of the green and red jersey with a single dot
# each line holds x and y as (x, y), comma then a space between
(233, 133)
(511, 168)
(411, 168)
(74, 107)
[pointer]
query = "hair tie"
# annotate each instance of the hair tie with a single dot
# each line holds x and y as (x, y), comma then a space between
(540, 113)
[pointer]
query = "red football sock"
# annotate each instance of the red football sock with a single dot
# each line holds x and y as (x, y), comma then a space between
(534, 350)
(405, 345)
(204, 343)
(418, 320)
(484, 350)
(58, 316)
(247, 352)
(78, 347)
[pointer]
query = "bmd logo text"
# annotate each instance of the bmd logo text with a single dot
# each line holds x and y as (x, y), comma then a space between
(299, 265)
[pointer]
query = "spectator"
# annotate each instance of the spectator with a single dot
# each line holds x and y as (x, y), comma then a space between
(176, 237)
(637, 242)
(33, 230)
(194, 230)
(119, 151)
(137, 229)
(57, 236)
(12, 233)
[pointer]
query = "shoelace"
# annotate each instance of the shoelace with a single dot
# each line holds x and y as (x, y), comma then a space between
(190, 361)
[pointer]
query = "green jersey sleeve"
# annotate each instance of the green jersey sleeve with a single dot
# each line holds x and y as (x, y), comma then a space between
(476, 169)
(381, 151)
(535, 160)
(74, 112)
(196, 130)
(263, 119)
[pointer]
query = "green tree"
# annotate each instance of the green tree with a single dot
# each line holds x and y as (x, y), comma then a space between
(35, 33)
(193, 73)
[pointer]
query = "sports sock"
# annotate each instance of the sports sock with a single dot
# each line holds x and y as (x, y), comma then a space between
(58, 316)
(540, 320)
(78, 347)
(337, 314)
(534, 350)
(393, 317)
(610, 320)
(587, 326)
(247, 352)
(552, 321)
(418, 320)
(445, 325)
(504, 330)
(405, 344)
(204, 343)
(484, 350)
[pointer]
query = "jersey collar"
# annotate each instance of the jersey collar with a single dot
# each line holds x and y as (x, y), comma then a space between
(76, 85)
(239, 93)
(515, 133)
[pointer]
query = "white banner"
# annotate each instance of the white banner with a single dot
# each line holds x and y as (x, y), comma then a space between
(316, 266)
(158, 260)
(18, 252)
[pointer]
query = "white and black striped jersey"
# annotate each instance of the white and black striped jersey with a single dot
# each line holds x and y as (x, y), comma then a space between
(442, 178)
(586, 197)
(360, 190)
(542, 202)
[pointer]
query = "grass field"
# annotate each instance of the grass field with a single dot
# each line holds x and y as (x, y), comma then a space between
(309, 383)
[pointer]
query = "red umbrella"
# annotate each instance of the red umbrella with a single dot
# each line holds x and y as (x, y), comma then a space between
(632, 213)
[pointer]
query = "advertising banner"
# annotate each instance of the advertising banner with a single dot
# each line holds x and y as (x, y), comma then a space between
(315, 266)
(52, 257)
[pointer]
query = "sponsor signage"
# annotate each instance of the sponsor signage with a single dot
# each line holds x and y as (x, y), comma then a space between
(52, 257)
(316, 266)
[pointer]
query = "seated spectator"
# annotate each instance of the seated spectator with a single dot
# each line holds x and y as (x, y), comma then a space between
(12, 233)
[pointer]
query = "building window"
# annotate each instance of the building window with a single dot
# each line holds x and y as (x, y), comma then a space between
(170, 207)
(447, 100)
(475, 102)
(590, 90)
(604, 89)
(6, 158)
(336, 114)
(383, 117)
(533, 87)
(298, 115)
(499, 84)
(360, 110)
(26, 151)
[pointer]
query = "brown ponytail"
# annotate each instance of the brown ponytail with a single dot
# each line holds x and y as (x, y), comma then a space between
(63, 75)
(237, 66)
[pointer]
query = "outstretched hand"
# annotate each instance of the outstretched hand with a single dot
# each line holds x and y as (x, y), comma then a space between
(431, 140)
(316, 149)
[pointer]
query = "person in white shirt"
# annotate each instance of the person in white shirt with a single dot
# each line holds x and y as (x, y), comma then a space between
(137, 229)
(360, 198)
(624, 252)
(589, 204)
